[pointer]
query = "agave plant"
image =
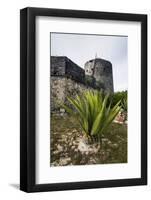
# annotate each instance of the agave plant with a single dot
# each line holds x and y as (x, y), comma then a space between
(92, 112)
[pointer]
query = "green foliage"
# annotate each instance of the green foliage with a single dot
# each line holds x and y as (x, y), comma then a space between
(93, 112)
(118, 96)
(124, 104)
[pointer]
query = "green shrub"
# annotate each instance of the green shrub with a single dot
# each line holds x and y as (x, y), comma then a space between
(118, 96)
(124, 104)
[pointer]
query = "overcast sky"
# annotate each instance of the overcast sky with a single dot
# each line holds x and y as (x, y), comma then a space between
(81, 48)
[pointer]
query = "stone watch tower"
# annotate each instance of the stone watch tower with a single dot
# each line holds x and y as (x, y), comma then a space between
(101, 71)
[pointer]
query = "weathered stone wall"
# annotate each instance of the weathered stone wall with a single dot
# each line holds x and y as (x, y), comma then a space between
(68, 79)
(57, 92)
(57, 65)
(63, 87)
(63, 66)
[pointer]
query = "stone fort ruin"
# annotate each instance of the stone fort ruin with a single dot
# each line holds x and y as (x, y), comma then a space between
(68, 79)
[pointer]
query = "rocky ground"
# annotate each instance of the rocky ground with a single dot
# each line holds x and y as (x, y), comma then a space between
(70, 147)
